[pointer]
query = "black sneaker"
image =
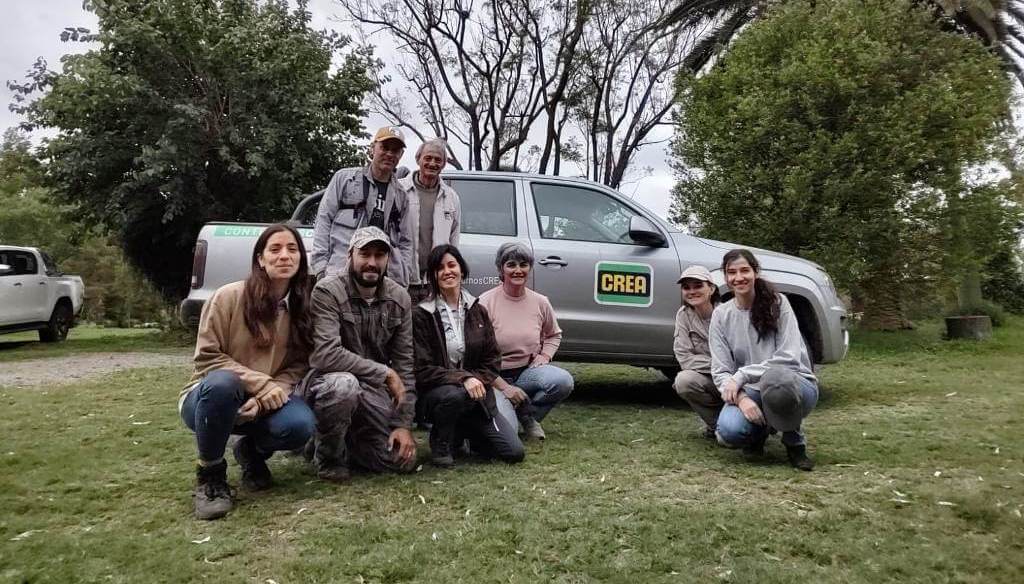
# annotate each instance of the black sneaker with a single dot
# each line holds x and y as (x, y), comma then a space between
(440, 449)
(255, 472)
(798, 458)
(213, 497)
(754, 451)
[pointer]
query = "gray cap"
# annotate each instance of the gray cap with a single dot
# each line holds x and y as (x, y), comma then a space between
(781, 399)
(367, 235)
(695, 272)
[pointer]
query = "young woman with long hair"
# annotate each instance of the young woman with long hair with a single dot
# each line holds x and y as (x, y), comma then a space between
(252, 348)
(760, 364)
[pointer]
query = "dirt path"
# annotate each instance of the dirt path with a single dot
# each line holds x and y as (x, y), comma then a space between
(73, 368)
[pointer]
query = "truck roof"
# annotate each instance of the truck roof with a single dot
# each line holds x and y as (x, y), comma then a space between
(18, 248)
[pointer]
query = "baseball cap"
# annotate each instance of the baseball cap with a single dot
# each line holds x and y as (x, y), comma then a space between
(388, 133)
(366, 235)
(695, 272)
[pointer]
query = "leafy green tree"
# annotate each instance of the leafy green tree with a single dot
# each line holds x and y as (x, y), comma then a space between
(191, 111)
(832, 130)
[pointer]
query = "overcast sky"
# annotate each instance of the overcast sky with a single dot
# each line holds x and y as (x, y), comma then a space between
(31, 29)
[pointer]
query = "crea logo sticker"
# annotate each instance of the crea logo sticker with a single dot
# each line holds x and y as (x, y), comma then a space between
(623, 284)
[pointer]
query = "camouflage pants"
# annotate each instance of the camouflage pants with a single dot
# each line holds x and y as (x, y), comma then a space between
(353, 424)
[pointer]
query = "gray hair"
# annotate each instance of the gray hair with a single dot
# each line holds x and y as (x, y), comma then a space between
(433, 143)
(513, 250)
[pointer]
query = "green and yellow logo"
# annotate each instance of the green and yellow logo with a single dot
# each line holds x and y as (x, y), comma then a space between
(623, 284)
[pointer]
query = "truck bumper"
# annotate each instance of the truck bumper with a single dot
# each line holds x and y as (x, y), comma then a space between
(189, 312)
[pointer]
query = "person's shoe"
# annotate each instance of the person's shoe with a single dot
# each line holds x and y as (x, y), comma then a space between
(440, 449)
(754, 451)
(798, 458)
(212, 496)
(338, 473)
(708, 433)
(532, 429)
(255, 472)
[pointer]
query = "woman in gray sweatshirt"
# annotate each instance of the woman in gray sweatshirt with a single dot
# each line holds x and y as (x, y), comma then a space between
(760, 364)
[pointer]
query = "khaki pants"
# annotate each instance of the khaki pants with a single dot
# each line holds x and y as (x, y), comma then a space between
(700, 392)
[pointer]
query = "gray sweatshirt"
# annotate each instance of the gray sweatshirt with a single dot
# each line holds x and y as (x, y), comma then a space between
(736, 353)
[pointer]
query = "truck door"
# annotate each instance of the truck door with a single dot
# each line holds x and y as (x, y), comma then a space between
(489, 211)
(23, 291)
(612, 296)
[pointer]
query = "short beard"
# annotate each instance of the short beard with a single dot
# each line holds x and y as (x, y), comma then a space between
(362, 282)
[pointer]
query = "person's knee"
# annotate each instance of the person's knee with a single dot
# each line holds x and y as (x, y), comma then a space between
(338, 389)
(733, 430)
(689, 383)
(512, 453)
(295, 426)
(557, 382)
(223, 385)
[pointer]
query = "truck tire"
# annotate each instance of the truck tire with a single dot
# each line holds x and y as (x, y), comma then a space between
(60, 322)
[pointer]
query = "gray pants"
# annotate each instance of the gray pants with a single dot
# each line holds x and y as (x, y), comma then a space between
(700, 392)
(353, 424)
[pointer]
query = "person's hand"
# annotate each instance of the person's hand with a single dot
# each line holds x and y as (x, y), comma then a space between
(515, 395)
(750, 411)
(730, 391)
(273, 398)
(474, 388)
(402, 445)
(395, 387)
(248, 412)
(539, 360)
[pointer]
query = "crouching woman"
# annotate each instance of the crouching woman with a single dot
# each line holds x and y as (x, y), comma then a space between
(252, 348)
(457, 360)
(760, 364)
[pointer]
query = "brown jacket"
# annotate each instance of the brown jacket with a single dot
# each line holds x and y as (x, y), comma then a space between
(224, 342)
(690, 344)
(482, 358)
(350, 335)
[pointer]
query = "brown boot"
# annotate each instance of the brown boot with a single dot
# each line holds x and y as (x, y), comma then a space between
(212, 497)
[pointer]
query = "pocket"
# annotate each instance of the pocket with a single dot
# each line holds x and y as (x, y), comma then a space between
(348, 218)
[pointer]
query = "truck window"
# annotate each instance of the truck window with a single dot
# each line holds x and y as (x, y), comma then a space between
(488, 206)
(23, 262)
(569, 212)
(49, 264)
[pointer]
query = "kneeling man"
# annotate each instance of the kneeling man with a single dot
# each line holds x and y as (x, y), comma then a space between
(362, 387)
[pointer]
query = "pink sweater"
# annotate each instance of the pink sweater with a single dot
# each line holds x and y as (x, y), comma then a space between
(524, 326)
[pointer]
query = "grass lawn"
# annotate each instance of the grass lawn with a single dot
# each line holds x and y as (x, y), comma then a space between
(920, 479)
(85, 338)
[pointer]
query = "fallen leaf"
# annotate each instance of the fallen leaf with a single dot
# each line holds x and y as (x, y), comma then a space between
(141, 423)
(204, 540)
(271, 581)
(899, 494)
(951, 394)
(422, 499)
(24, 535)
(207, 561)
(434, 536)
(900, 501)
(602, 476)
(301, 511)
(1017, 512)
(520, 552)
(996, 451)
(637, 440)
(947, 504)
(467, 512)
(938, 473)
(773, 558)
(844, 465)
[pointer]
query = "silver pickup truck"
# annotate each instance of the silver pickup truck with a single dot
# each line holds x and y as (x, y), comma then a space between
(608, 265)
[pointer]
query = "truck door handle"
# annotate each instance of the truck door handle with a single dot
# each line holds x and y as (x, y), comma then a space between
(43, 283)
(553, 261)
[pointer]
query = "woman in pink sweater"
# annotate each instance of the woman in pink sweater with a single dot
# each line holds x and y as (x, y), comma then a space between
(528, 336)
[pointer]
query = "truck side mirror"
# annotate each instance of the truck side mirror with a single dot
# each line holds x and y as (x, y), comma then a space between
(5, 270)
(642, 231)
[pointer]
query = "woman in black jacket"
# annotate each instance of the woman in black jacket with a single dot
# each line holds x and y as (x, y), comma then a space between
(457, 359)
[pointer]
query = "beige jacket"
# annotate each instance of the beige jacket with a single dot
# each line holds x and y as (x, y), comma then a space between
(691, 341)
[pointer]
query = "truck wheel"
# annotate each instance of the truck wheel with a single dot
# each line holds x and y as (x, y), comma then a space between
(57, 329)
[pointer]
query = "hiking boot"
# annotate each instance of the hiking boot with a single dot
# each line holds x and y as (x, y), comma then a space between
(440, 449)
(754, 451)
(338, 473)
(255, 473)
(212, 496)
(532, 429)
(798, 458)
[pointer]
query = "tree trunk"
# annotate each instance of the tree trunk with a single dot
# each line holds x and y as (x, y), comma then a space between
(883, 305)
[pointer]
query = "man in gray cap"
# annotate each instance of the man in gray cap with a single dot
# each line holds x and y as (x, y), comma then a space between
(368, 195)
(361, 386)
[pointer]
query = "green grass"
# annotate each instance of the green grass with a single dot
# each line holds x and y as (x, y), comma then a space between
(99, 473)
(85, 338)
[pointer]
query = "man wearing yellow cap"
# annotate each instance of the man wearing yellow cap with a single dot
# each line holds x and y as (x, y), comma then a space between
(366, 196)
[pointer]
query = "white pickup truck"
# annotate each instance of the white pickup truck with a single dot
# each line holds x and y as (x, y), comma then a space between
(608, 265)
(35, 295)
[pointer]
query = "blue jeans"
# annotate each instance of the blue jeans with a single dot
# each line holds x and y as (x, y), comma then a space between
(546, 386)
(211, 408)
(735, 430)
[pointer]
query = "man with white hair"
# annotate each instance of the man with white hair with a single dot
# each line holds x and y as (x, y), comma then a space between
(434, 211)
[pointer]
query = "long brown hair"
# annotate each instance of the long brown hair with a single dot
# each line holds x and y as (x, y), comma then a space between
(764, 312)
(259, 307)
